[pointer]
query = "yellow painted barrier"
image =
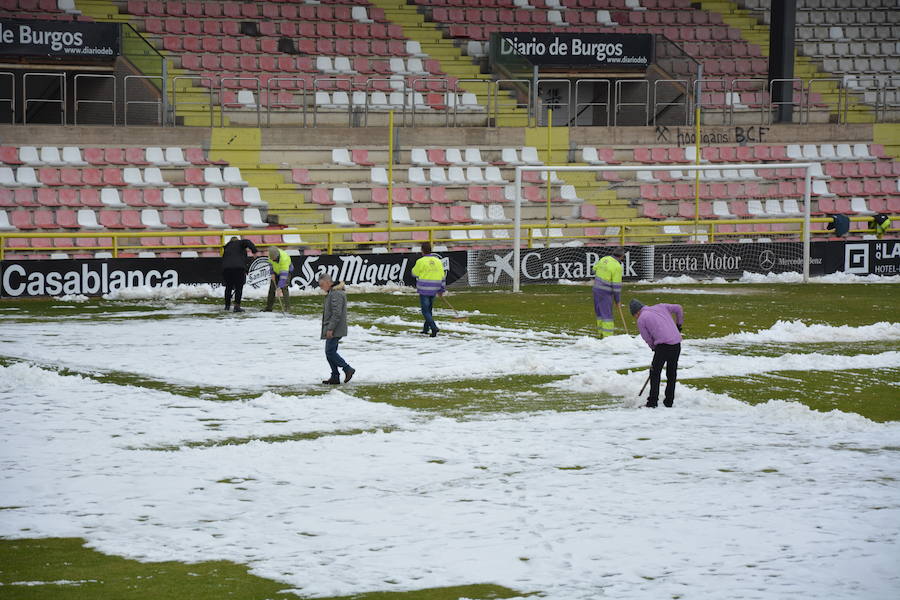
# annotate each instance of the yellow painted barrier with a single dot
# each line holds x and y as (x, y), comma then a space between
(629, 232)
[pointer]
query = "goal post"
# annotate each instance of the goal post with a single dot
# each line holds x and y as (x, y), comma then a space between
(691, 168)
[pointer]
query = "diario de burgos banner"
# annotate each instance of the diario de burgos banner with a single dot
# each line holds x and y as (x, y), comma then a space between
(60, 39)
(633, 51)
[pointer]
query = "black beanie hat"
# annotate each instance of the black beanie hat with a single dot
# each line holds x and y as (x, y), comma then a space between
(634, 306)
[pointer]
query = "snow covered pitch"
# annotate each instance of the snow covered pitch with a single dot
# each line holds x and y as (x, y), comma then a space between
(502, 452)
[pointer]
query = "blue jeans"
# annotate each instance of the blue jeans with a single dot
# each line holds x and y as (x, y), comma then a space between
(427, 304)
(334, 359)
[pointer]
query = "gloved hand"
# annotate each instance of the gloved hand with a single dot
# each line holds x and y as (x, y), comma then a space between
(679, 327)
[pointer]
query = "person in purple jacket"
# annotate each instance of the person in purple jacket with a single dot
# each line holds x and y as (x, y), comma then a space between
(660, 326)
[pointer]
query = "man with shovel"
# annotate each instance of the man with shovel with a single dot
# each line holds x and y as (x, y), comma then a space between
(608, 291)
(429, 274)
(280, 279)
(660, 326)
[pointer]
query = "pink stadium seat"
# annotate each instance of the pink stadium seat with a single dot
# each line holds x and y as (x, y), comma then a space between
(133, 197)
(7, 199)
(361, 158)
(360, 216)
(321, 196)
(439, 195)
(134, 157)
(301, 177)
(651, 210)
(419, 195)
(44, 219)
(380, 195)
(111, 219)
(234, 218)
(441, 215)
(47, 197)
(172, 219)
(68, 197)
(234, 197)
(194, 219)
(589, 212)
(113, 176)
(153, 197)
(25, 197)
(49, 176)
(90, 197)
(739, 209)
(22, 219)
(401, 195)
(9, 155)
(642, 155)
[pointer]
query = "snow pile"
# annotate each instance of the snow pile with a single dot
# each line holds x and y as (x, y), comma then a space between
(799, 332)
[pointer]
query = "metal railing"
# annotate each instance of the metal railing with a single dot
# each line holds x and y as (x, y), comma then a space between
(340, 239)
(681, 87)
(176, 104)
(61, 100)
(613, 102)
(79, 101)
(128, 102)
(579, 106)
(291, 85)
(11, 100)
(642, 85)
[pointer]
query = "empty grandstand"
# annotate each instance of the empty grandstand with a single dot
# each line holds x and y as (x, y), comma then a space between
(158, 129)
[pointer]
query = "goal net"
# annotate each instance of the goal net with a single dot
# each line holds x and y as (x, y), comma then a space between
(719, 235)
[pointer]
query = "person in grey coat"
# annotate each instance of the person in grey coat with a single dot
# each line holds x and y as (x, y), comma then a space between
(334, 327)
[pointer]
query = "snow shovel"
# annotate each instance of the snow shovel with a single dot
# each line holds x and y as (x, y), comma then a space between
(641, 393)
(622, 316)
(458, 318)
(281, 303)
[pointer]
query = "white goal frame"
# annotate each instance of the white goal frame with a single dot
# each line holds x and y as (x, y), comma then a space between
(517, 233)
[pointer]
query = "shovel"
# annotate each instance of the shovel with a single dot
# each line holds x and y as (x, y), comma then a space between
(622, 316)
(458, 318)
(641, 393)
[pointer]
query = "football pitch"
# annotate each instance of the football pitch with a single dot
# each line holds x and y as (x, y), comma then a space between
(154, 446)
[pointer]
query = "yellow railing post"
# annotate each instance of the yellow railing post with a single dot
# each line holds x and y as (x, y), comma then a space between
(549, 161)
(390, 206)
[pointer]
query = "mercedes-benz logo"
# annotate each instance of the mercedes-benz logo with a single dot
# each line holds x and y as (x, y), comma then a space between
(767, 260)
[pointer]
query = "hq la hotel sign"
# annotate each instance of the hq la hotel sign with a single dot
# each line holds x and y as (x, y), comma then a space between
(623, 51)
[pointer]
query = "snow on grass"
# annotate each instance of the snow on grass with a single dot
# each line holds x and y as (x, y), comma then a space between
(762, 501)
(334, 495)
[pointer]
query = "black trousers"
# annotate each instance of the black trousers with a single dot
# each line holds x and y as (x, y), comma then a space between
(234, 283)
(665, 354)
(270, 300)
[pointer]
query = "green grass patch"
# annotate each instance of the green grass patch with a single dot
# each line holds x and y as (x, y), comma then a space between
(64, 569)
(473, 397)
(271, 439)
(869, 392)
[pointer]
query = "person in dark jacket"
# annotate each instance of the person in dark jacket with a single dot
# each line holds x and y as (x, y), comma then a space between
(840, 224)
(234, 270)
(334, 327)
(660, 326)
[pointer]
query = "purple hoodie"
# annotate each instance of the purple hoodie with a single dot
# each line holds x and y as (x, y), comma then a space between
(656, 325)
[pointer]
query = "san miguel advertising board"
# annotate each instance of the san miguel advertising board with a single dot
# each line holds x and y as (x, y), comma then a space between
(28, 278)
(32, 278)
(59, 39)
(635, 51)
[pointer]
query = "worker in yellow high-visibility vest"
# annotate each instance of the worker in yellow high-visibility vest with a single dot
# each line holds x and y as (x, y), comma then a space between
(280, 278)
(430, 275)
(607, 290)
